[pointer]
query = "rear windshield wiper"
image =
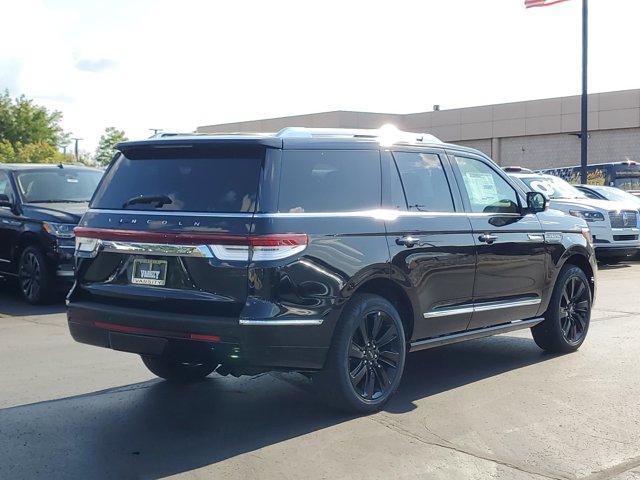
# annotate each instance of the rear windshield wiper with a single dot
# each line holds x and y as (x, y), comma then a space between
(159, 200)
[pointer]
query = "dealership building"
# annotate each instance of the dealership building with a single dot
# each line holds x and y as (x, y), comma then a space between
(535, 134)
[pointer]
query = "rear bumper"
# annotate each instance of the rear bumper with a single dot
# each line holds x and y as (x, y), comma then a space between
(238, 346)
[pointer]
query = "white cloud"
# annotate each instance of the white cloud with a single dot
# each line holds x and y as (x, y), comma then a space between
(178, 65)
(94, 65)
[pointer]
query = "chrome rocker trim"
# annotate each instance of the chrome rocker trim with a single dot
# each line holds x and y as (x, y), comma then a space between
(471, 334)
(481, 307)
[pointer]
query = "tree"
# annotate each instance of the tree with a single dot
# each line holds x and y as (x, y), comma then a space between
(39, 152)
(106, 146)
(22, 121)
(29, 133)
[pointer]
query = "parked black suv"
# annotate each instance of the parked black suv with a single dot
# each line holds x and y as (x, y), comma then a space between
(330, 252)
(39, 207)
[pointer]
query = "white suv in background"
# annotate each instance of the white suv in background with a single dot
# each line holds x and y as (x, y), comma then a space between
(613, 225)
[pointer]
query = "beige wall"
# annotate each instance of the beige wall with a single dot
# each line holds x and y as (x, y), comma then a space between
(562, 150)
(536, 133)
(338, 119)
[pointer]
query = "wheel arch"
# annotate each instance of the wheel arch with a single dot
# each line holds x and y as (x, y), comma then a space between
(394, 293)
(25, 240)
(581, 261)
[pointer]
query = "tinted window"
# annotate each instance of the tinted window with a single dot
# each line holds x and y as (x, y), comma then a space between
(424, 181)
(5, 186)
(398, 200)
(329, 180)
(487, 191)
(57, 185)
(216, 183)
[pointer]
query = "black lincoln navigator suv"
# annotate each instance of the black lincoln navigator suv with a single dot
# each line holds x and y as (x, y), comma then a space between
(40, 205)
(329, 252)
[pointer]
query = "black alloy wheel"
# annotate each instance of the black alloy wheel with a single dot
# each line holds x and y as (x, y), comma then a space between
(33, 276)
(566, 321)
(574, 309)
(374, 353)
(365, 362)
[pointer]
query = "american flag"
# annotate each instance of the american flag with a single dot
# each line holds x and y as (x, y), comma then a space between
(541, 3)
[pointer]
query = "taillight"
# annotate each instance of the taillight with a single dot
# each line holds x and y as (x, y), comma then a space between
(222, 246)
(260, 248)
(276, 247)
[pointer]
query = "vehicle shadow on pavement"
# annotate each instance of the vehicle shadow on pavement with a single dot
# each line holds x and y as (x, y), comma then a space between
(154, 429)
(12, 304)
(614, 266)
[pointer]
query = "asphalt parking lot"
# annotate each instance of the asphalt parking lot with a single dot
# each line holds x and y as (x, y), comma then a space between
(491, 408)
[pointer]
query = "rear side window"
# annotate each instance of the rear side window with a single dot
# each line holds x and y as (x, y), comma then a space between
(215, 182)
(424, 181)
(329, 181)
(5, 186)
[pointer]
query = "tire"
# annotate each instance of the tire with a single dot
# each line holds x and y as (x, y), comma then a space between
(34, 278)
(568, 316)
(177, 371)
(360, 376)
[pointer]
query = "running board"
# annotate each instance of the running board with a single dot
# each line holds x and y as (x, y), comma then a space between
(471, 334)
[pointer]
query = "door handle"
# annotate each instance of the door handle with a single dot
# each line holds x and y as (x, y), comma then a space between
(407, 241)
(488, 238)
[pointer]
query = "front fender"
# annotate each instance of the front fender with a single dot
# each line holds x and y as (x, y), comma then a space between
(574, 249)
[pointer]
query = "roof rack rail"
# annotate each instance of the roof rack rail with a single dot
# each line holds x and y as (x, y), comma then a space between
(517, 169)
(173, 134)
(387, 134)
(208, 134)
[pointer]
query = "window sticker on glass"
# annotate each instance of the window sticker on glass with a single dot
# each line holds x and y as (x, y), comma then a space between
(482, 188)
(543, 187)
(72, 179)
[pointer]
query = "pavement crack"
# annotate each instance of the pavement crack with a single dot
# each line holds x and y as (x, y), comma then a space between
(601, 437)
(446, 444)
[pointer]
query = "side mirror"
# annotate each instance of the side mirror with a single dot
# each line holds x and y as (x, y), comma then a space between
(5, 201)
(536, 202)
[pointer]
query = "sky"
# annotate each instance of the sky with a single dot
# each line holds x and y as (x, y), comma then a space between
(175, 65)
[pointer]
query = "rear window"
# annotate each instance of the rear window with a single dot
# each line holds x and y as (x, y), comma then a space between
(210, 183)
(329, 181)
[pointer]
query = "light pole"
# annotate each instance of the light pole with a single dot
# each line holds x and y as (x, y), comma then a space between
(76, 147)
(584, 137)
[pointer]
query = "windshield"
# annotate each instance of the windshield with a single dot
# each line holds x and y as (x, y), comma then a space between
(217, 182)
(59, 185)
(552, 187)
(618, 195)
(627, 183)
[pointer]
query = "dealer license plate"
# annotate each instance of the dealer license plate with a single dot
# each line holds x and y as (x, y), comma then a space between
(149, 272)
